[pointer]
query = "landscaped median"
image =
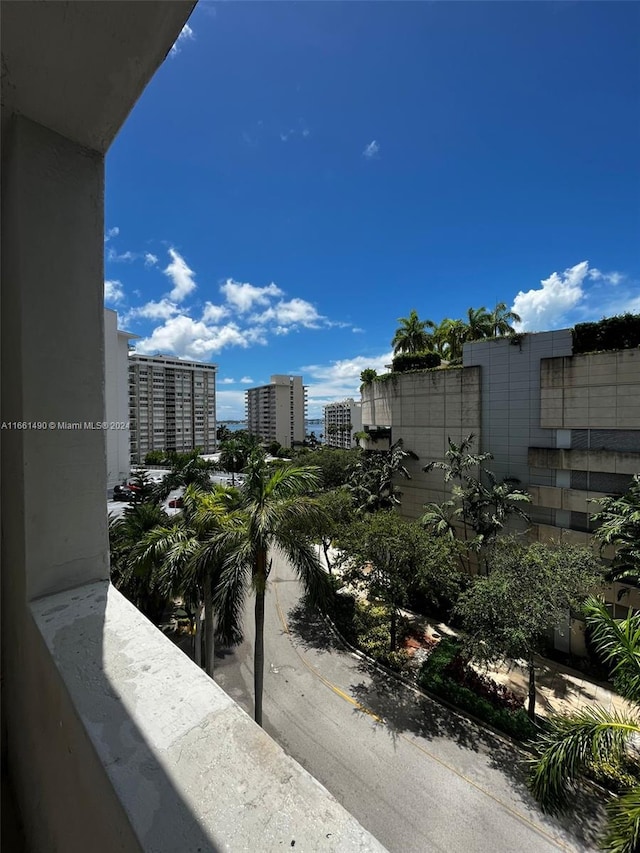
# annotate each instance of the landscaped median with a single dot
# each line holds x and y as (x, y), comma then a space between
(444, 674)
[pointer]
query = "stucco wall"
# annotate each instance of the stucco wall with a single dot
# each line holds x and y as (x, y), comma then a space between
(591, 391)
(424, 409)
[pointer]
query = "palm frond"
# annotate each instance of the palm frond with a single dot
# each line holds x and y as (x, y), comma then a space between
(618, 641)
(623, 828)
(591, 734)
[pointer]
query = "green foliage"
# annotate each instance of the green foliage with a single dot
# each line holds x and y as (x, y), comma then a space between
(611, 333)
(155, 457)
(366, 626)
(393, 560)
(530, 590)
(372, 480)
(367, 376)
(619, 525)
(415, 361)
(335, 465)
(480, 505)
(597, 741)
(432, 678)
(412, 336)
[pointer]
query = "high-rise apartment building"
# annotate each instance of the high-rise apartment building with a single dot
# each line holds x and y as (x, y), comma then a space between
(342, 420)
(277, 412)
(172, 405)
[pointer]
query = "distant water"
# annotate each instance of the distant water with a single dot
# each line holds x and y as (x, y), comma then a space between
(312, 425)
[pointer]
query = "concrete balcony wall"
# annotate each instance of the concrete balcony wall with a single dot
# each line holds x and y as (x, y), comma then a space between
(592, 391)
(156, 756)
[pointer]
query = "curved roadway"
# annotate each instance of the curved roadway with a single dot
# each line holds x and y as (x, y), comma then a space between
(417, 776)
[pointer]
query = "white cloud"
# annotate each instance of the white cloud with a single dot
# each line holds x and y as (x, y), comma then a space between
(186, 34)
(577, 295)
(357, 330)
(113, 292)
(244, 296)
(150, 260)
(125, 257)
(181, 276)
(112, 232)
(214, 313)
(230, 405)
(188, 338)
(613, 278)
(372, 150)
(546, 307)
(306, 132)
(338, 379)
(246, 380)
(161, 310)
(292, 312)
(227, 381)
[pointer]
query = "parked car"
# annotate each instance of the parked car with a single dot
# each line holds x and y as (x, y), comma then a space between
(176, 503)
(122, 493)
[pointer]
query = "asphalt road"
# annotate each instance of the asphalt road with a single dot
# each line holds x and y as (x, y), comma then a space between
(418, 777)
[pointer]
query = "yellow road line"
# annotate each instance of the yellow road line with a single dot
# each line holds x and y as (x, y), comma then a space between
(518, 815)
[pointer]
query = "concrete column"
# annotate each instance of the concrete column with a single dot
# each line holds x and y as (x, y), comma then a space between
(53, 469)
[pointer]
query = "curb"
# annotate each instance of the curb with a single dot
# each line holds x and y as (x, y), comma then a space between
(420, 691)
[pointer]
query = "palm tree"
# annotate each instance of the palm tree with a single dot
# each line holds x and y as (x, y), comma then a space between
(619, 519)
(276, 506)
(449, 337)
(501, 320)
(478, 324)
(412, 335)
(234, 454)
(372, 481)
(186, 558)
(140, 587)
(596, 735)
(194, 471)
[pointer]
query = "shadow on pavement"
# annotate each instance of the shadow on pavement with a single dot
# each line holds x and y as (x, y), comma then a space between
(405, 713)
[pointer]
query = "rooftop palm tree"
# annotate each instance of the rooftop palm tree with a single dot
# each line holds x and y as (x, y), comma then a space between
(449, 337)
(478, 324)
(276, 506)
(595, 735)
(412, 335)
(501, 320)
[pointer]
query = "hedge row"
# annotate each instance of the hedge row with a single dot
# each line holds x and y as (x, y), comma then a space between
(433, 678)
(415, 361)
(612, 333)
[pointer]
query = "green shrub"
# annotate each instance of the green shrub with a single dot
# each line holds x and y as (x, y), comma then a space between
(415, 361)
(514, 723)
(612, 333)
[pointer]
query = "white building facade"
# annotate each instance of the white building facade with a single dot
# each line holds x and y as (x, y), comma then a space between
(342, 420)
(116, 394)
(277, 412)
(172, 405)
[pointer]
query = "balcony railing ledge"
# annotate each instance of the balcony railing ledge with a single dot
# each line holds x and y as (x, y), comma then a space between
(189, 767)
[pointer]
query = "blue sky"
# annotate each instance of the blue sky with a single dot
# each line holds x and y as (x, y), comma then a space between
(297, 176)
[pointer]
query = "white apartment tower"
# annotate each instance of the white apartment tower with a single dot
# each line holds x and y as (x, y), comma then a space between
(277, 412)
(172, 405)
(341, 421)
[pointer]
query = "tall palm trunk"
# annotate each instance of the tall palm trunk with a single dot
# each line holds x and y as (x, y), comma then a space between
(197, 655)
(258, 654)
(208, 626)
